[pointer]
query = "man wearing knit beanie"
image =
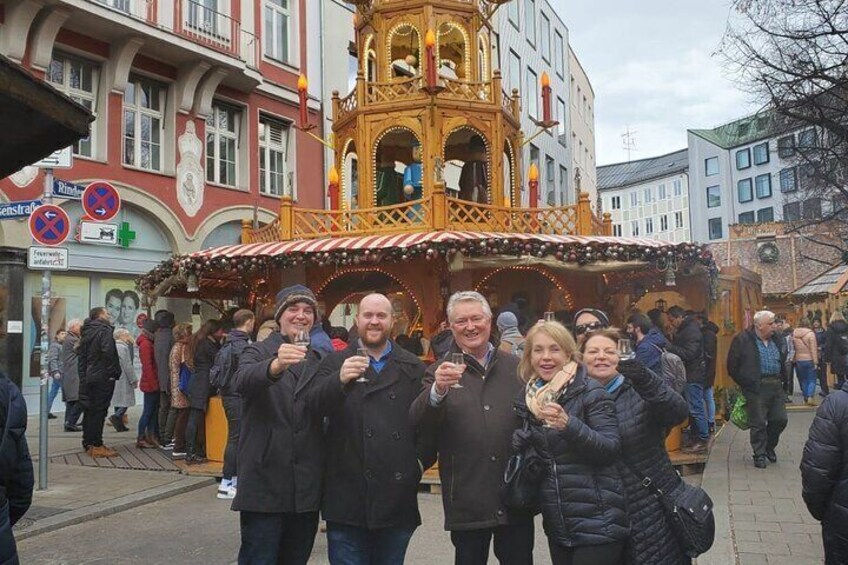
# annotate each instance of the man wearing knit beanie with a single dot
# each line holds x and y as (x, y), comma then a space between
(511, 339)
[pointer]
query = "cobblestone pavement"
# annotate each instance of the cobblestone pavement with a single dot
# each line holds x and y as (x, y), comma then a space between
(761, 518)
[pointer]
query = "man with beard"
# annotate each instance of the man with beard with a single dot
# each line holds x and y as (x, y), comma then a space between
(473, 429)
(374, 461)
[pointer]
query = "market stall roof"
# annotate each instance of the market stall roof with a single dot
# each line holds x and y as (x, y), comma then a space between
(37, 119)
(831, 281)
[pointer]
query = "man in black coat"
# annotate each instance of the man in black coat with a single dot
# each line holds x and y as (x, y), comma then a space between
(688, 344)
(824, 475)
(281, 445)
(163, 341)
(473, 429)
(755, 362)
(16, 477)
(374, 458)
(99, 368)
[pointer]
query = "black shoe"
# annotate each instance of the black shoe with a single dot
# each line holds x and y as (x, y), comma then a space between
(760, 462)
(51, 416)
(771, 455)
(73, 428)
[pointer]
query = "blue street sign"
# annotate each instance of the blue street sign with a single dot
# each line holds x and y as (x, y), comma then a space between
(12, 210)
(65, 189)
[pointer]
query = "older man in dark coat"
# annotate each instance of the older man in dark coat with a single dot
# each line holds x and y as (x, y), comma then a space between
(69, 361)
(473, 429)
(374, 456)
(281, 445)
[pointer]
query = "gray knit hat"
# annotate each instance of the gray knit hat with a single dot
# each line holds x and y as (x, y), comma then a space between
(292, 295)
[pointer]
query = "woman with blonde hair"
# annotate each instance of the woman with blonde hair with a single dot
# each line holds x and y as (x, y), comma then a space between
(179, 401)
(569, 420)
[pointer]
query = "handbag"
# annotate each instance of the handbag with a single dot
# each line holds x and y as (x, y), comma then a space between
(739, 413)
(689, 510)
(523, 473)
(185, 377)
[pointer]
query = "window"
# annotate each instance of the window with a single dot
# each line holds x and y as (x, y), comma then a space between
(144, 101)
(634, 227)
(711, 166)
(532, 94)
(615, 203)
(763, 183)
(563, 184)
(649, 226)
(807, 139)
(792, 212)
(745, 190)
(274, 156)
(678, 220)
(713, 196)
(514, 71)
(765, 215)
(806, 175)
(743, 159)
(77, 79)
(559, 53)
(545, 40)
(203, 18)
(512, 11)
(663, 193)
(634, 199)
(678, 187)
(664, 222)
(121, 5)
(561, 119)
(715, 228)
(786, 146)
(530, 20)
(747, 218)
(278, 30)
(550, 178)
(649, 195)
(616, 230)
(761, 153)
(222, 140)
(789, 180)
(812, 209)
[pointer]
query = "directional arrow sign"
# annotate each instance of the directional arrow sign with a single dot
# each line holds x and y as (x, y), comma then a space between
(101, 201)
(59, 159)
(65, 189)
(49, 225)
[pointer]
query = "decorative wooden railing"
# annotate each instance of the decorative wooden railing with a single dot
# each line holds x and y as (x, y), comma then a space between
(379, 92)
(436, 212)
(466, 90)
(347, 105)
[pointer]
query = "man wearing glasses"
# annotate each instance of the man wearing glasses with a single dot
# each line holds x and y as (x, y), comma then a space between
(466, 403)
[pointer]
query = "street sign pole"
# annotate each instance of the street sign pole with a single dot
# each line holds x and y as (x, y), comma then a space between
(46, 282)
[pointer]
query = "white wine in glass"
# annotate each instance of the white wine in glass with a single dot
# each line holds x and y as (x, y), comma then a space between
(302, 338)
(363, 352)
(457, 359)
(625, 350)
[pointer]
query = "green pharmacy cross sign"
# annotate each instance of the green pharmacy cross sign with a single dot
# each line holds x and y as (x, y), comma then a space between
(125, 235)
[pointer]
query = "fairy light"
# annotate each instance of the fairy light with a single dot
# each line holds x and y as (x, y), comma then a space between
(569, 299)
(362, 270)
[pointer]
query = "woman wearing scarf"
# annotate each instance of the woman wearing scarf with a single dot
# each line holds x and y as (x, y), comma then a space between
(571, 425)
(645, 406)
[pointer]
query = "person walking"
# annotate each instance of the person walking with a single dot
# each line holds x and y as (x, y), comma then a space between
(836, 347)
(223, 372)
(783, 327)
(203, 347)
(124, 395)
(688, 344)
(472, 429)
(69, 361)
(645, 407)
(806, 359)
(709, 333)
(163, 342)
(754, 362)
(148, 424)
(54, 369)
(178, 400)
(570, 420)
(99, 369)
(279, 490)
(16, 476)
(375, 458)
(824, 474)
(512, 341)
(650, 341)
(821, 368)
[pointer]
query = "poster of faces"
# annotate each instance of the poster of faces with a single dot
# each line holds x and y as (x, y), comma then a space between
(123, 304)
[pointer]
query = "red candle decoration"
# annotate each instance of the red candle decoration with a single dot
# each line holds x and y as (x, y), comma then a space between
(333, 189)
(430, 47)
(301, 90)
(546, 98)
(533, 183)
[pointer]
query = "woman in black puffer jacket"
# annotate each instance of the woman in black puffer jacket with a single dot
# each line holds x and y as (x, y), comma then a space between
(645, 406)
(824, 474)
(571, 425)
(836, 347)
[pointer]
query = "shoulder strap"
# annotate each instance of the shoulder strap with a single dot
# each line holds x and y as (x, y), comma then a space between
(647, 482)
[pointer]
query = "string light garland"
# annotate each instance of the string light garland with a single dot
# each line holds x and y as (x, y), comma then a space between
(544, 273)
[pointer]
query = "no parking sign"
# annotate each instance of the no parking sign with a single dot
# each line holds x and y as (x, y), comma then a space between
(101, 201)
(49, 225)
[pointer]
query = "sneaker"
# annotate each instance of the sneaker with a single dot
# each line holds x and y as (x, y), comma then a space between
(73, 428)
(168, 447)
(227, 493)
(760, 462)
(195, 460)
(771, 455)
(51, 416)
(178, 454)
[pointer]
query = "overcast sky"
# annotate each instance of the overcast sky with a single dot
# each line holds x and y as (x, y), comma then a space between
(652, 68)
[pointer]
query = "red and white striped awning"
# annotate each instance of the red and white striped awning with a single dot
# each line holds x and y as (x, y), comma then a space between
(404, 240)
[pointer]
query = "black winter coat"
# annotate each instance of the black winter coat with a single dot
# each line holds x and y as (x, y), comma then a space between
(163, 341)
(688, 344)
(646, 407)
(98, 356)
(836, 347)
(374, 461)
(281, 445)
(824, 474)
(237, 342)
(709, 332)
(580, 496)
(199, 387)
(743, 359)
(16, 477)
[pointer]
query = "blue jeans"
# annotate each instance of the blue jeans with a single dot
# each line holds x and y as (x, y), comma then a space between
(697, 413)
(709, 401)
(349, 545)
(271, 539)
(149, 421)
(807, 377)
(55, 387)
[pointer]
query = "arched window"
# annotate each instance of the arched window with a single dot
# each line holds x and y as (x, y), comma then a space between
(404, 43)
(452, 51)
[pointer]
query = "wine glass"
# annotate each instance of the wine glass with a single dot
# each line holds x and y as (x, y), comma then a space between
(625, 350)
(457, 359)
(302, 338)
(547, 397)
(549, 317)
(363, 352)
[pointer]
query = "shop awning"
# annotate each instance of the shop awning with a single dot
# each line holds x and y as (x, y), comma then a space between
(832, 281)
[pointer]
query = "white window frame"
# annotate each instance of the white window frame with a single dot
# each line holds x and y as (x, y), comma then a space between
(634, 199)
(514, 65)
(678, 220)
(615, 203)
(634, 228)
(545, 40)
(213, 156)
(141, 112)
(266, 147)
(664, 223)
(677, 185)
(530, 21)
(559, 54)
(274, 40)
(707, 163)
(616, 230)
(649, 226)
(83, 97)
(532, 93)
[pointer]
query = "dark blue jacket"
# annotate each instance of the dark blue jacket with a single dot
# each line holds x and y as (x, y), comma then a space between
(647, 352)
(16, 477)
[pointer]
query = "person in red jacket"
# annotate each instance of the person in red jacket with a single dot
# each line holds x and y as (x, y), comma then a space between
(338, 337)
(148, 425)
